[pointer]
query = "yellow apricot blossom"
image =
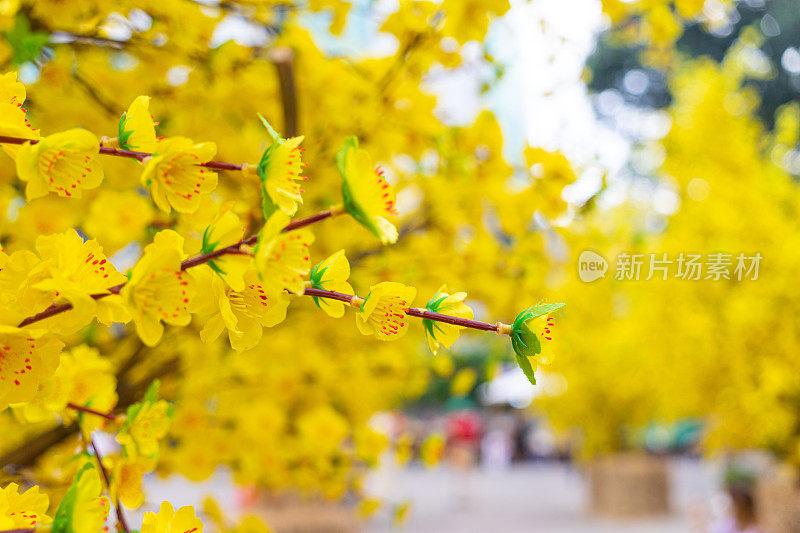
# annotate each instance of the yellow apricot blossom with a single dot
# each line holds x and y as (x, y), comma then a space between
(127, 474)
(368, 197)
(227, 229)
(137, 130)
(332, 275)
(440, 333)
(13, 117)
(146, 423)
(383, 311)
(282, 259)
(167, 520)
(175, 176)
(158, 290)
(117, 218)
(22, 510)
(83, 509)
(28, 357)
(280, 170)
(246, 312)
(65, 163)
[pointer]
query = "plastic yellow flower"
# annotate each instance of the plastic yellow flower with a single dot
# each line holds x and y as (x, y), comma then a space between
(158, 289)
(280, 171)
(439, 333)
(13, 118)
(367, 196)
(27, 357)
(117, 218)
(532, 336)
(146, 423)
(82, 510)
(167, 520)
(137, 130)
(77, 270)
(127, 474)
(22, 510)
(282, 259)
(383, 312)
(246, 312)
(65, 163)
(332, 275)
(174, 174)
(227, 229)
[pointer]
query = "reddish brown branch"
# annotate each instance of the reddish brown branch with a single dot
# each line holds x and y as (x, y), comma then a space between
(56, 309)
(107, 416)
(120, 517)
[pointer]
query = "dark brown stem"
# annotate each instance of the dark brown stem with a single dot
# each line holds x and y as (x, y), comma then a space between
(119, 152)
(107, 416)
(56, 309)
(411, 311)
(282, 59)
(120, 516)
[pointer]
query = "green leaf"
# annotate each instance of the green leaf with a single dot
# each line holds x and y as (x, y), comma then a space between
(275, 137)
(26, 44)
(122, 135)
(151, 395)
(62, 522)
(525, 364)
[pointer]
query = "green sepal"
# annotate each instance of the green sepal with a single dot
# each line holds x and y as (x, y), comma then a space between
(62, 521)
(122, 135)
(151, 395)
(525, 364)
(267, 205)
(524, 341)
(434, 306)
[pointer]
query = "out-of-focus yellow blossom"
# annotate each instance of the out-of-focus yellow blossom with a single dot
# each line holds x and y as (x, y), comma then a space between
(117, 218)
(332, 275)
(175, 176)
(127, 474)
(246, 312)
(137, 130)
(440, 333)
(383, 311)
(463, 382)
(404, 449)
(368, 197)
(65, 163)
(83, 509)
(282, 259)
(432, 450)
(29, 356)
(146, 423)
(323, 428)
(23, 510)
(167, 520)
(400, 513)
(158, 290)
(367, 507)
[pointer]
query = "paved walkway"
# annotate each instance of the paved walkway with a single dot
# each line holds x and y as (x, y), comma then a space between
(532, 498)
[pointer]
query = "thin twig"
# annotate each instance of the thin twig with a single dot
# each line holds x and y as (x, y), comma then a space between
(107, 416)
(120, 516)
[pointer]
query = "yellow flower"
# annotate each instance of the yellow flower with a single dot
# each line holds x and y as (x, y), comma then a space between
(226, 229)
(246, 312)
(65, 163)
(82, 510)
(158, 289)
(117, 218)
(367, 196)
(77, 270)
(13, 118)
(282, 259)
(280, 170)
(167, 520)
(439, 333)
(27, 357)
(137, 130)
(23, 510)
(332, 275)
(383, 312)
(126, 475)
(147, 422)
(463, 382)
(175, 177)
(322, 428)
(432, 449)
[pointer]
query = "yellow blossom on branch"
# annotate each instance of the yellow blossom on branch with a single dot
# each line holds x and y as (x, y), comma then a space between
(167, 520)
(383, 311)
